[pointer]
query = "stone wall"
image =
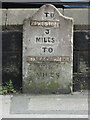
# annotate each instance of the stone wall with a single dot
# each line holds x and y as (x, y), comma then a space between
(12, 20)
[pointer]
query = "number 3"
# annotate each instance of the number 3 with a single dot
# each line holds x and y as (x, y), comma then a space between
(47, 31)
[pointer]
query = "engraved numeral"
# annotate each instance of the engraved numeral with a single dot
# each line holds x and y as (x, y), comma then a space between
(47, 31)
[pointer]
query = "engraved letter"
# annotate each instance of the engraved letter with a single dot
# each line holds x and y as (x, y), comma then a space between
(44, 48)
(37, 39)
(50, 50)
(46, 13)
(52, 14)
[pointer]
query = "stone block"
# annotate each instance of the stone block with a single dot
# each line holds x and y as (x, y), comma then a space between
(75, 61)
(80, 82)
(84, 66)
(11, 64)
(80, 16)
(12, 41)
(3, 15)
(16, 16)
(47, 52)
(81, 40)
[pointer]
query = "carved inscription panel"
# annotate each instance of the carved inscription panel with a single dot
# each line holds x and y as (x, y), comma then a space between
(48, 33)
(47, 37)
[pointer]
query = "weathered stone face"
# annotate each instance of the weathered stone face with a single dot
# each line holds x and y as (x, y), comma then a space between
(47, 52)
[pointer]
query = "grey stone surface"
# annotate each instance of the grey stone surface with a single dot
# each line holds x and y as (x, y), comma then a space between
(16, 16)
(80, 16)
(55, 106)
(6, 102)
(76, 104)
(47, 52)
(3, 16)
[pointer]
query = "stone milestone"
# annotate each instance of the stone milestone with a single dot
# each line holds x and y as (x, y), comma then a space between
(47, 52)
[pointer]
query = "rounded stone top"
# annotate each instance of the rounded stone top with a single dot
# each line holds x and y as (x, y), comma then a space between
(49, 12)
